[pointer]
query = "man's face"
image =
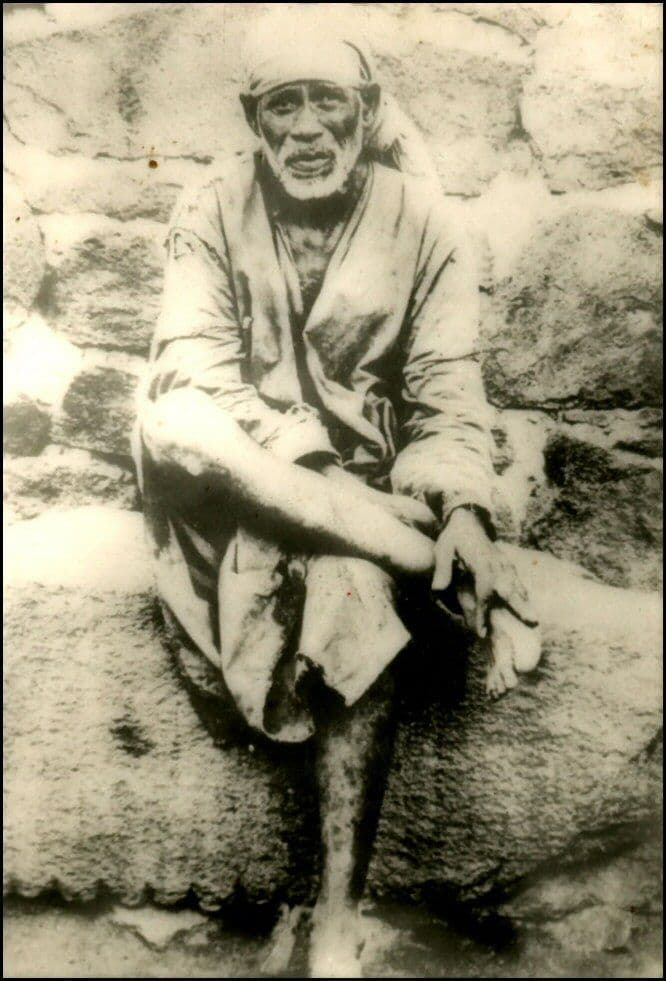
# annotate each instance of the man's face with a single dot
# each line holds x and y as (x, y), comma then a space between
(312, 136)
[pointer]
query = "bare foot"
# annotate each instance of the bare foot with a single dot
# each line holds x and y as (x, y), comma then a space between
(514, 649)
(335, 943)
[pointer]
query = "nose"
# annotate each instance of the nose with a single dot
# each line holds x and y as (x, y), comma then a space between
(307, 125)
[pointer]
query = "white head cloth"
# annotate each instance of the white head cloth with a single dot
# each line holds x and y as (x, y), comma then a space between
(297, 46)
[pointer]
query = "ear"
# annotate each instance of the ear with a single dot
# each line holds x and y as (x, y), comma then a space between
(370, 95)
(249, 104)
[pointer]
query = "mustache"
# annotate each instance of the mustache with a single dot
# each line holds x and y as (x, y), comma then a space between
(310, 154)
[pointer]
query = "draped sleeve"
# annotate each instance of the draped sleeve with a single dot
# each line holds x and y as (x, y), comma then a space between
(445, 434)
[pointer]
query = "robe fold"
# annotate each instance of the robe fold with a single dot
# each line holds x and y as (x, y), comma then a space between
(383, 378)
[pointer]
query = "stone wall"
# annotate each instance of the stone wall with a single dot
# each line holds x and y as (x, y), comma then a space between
(543, 120)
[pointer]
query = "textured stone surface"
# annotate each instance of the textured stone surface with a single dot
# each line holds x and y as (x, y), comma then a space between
(73, 184)
(400, 942)
(601, 509)
(585, 485)
(578, 320)
(624, 884)
(595, 912)
(98, 410)
(480, 793)
(99, 549)
(105, 281)
(591, 104)
(464, 97)
(639, 432)
(23, 259)
(26, 425)
(126, 110)
(61, 477)
(594, 908)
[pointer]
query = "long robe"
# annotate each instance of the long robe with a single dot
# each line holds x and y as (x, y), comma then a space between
(381, 375)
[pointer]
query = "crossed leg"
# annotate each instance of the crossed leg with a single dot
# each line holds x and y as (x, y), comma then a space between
(353, 745)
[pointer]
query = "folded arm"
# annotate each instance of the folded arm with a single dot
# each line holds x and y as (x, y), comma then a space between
(202, 413)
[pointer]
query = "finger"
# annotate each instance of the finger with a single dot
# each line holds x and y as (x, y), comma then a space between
(445, 554)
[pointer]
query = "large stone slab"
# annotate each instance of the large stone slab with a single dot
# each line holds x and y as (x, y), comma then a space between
(99, 408)
(601, 509)
(577, 320)
(26, 427)
(113, 778)
(586, 486)
(23, 258)
(592, 101)
(105, 280)
(62, 477)
(122, 189)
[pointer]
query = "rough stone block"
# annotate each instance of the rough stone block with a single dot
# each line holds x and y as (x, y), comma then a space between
(122, 189)
(62, 477)
(98, 410)
(639, 432)
(464, 98)
(106, 280)
(26, 427)
(586, 486)
(629, 884)
(143, 98)
(480, 795)
(601, 509)
(23, 257)
(592, 102)
(577, 321)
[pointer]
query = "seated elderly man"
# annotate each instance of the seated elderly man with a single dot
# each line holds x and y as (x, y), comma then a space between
(313, 443)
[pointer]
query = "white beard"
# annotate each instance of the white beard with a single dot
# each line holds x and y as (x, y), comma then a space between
(307, 188)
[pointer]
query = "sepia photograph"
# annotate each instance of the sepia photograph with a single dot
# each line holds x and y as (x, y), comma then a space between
(332, 490)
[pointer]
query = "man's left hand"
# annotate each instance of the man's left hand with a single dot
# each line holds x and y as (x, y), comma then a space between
(488, 574)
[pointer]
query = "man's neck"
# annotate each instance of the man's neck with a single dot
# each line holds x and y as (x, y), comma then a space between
(315, 213)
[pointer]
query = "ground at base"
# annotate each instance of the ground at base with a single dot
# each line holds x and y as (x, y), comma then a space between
(99, 940)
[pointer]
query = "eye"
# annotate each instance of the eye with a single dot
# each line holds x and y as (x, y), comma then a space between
(283, 108)
(328, 99)
(282, 104)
